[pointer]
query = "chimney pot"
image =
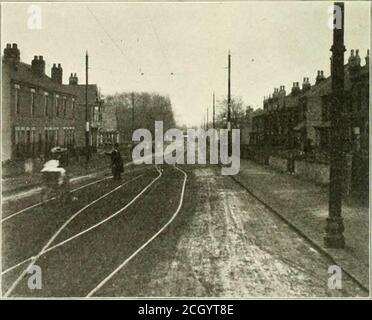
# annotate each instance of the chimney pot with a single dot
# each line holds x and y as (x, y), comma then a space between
(14, 46)
(9, 46)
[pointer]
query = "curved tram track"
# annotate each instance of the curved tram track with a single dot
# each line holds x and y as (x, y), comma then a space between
(76, 240)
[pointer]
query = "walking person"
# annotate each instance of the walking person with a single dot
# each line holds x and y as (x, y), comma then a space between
(117, 165)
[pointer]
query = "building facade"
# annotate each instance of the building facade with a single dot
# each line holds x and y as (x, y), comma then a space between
(93, 111)
(38, 112)
(302, 118)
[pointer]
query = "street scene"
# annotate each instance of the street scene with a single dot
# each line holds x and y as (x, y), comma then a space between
(152, 150)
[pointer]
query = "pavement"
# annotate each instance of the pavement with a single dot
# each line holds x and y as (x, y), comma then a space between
(27, 182)
(304, 206)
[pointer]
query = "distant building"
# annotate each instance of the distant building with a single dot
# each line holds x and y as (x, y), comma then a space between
(108, 133)
(291, 121)
(95, 108)
(38, 112)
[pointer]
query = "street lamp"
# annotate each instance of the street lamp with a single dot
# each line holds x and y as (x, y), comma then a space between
(334, 237)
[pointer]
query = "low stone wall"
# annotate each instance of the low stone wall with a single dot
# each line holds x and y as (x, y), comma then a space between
(279, 164)
(316, 172)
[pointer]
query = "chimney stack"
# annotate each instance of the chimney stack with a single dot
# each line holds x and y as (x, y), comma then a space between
(275, 93)
(282, 91)
(57, 73)
(320, 76)
(295, 88)
(12, 53)
(73, 79)
(306, 84)
(38, 66)
(354, 60)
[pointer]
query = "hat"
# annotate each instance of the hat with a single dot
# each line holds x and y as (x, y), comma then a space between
(57, 149)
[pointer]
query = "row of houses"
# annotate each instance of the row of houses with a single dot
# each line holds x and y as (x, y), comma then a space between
(40, 111)
(301, 119)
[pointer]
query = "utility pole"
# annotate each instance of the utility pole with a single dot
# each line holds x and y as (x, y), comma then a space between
(214, 112)
(229, 105)
(132, 114)
(207, 119)
(87, 129)
(334, 237)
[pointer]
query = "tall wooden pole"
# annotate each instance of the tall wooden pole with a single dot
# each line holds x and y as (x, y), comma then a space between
(87, 129)
(132, 114)
(207, 119)
(334, 237)
(229, 105)
(214, 112)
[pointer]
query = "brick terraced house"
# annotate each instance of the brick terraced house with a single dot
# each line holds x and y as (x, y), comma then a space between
(39, 111)
(290, 121)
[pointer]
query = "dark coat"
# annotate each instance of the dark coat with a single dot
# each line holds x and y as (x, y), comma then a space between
(116, 160)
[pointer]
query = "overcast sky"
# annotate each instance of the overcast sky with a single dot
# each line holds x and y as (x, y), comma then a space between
(272, 44)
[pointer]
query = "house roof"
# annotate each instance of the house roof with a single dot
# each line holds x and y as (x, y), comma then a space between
(325, 87)
(22, 72)
(79, 91)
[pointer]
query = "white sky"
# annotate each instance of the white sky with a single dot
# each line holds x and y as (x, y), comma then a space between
(272, 43)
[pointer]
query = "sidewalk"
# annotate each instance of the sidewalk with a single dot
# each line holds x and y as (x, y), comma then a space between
(305, 206)
(25, 181)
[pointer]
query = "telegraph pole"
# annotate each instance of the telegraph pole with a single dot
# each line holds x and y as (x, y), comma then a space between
(214, 112)
(334, 237)
(132, 114)
(229, 104)
(207, 118)
(86, 110)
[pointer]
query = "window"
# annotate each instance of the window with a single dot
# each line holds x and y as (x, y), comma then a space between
(16, 98)
(57, 105)
(96, 114)
(28, 141)
(46, 103)
(33, 141)
(56, 135)
(73, 108)
(32, 106)
(64, 107)
(17, 138)
(40, 146)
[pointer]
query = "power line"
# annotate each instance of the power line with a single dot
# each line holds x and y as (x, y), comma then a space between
(160, 45)
(110, 37)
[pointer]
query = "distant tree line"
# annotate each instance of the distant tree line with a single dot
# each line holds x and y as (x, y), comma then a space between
(241, 114)
(148, 108)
